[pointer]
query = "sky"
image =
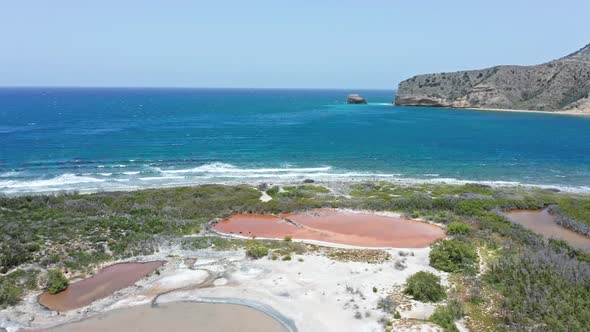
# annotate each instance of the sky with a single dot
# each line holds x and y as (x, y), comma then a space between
(364, 44)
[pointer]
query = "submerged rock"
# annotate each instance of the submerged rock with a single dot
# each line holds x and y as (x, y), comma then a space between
(356, 99)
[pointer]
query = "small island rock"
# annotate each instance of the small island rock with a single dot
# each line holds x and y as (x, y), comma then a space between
(356, 99)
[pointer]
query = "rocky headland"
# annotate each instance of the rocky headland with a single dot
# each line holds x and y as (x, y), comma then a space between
(561, 85)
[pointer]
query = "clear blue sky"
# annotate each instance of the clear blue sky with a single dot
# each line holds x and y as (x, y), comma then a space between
(276, 43)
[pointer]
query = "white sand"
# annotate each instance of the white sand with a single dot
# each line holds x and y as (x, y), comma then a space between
(316, 294)
(264, 197)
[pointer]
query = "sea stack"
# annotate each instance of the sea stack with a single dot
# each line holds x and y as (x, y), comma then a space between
(356, 99)
(558, 85)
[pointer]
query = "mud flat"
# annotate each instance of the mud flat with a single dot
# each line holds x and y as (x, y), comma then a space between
(543, 223)
(178, 316)
(335, 226)
(102, 284)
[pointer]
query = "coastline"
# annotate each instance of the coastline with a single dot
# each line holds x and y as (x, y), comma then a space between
(569, 112)
(584, 112)
(334, 185)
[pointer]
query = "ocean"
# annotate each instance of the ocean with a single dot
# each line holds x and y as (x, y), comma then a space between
(92, 139)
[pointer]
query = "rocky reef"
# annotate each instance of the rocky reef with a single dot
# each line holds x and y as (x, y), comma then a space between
(356, 99)
(558, 85)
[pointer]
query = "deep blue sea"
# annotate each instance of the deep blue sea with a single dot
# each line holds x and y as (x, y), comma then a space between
(107, 139)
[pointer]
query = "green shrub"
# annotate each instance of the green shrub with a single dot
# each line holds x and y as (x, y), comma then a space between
(288, 238)
(425, 287)
(9, 295)
(14, 284)
(474, 207)
(453, 255)
(458, 228)
(256, 250)
(272, 191)
(56, 281)
(445, 316)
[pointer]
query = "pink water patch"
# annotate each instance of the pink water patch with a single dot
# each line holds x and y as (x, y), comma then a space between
(543, 223)
(102, 284)
(335, 226)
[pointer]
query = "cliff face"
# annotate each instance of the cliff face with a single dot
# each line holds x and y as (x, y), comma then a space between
(562, 84)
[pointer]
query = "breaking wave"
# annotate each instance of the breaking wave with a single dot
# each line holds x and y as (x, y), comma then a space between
(153, 177)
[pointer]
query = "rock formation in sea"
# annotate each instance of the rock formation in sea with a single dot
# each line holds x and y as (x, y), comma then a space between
(558, 85)
(356, 99)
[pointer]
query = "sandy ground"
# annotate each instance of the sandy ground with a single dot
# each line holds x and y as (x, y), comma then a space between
(582, 112)
(309, 293)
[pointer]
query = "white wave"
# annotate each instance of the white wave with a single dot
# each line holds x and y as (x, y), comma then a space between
(227, 173)
(9, 174)
(228, 168)
(160, 178)
(64, 179)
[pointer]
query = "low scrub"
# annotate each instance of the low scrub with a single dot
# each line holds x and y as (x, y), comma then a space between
(458, 228)
(425, 287)
(453, 256)
(256, 250)
(445, 316)
(56, 281)
(543, 289)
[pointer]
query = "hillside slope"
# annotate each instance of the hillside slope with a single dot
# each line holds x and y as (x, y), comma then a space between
(559, 85)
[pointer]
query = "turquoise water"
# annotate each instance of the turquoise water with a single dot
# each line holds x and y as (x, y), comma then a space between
(94, 139)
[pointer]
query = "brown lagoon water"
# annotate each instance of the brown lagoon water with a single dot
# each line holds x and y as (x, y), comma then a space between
(179, 317)
(100, 285)
(543, 223)
(335, 226)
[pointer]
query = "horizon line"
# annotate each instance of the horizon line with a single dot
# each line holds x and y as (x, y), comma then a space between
(181, 87)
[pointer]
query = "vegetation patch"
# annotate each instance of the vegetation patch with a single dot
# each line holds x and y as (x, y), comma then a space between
(453, 256)
(359, 255)
(446, 315)
(213, 242)
(256, 250)
(544, 289)
(425, 287)
(14, 284)
(458, 228)
(56, 281)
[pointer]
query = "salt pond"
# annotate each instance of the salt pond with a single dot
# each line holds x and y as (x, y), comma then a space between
(336, 226)
(100, 285)
(178, 317)
(543, 223)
